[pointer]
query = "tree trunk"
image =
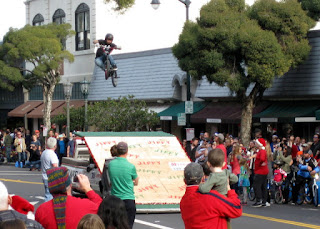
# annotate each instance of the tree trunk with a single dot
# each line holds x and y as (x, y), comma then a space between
(47, 99)
(248, 103)
(246, 121)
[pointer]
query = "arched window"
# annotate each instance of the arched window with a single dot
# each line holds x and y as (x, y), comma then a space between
(38, 20)
(83, 27)
(59, 17)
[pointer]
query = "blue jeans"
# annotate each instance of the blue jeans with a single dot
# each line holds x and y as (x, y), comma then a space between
(8, 152)
(32, 164)
(22, 156)
(47, 195)
(102, 59)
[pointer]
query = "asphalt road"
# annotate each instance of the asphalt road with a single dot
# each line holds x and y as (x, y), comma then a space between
(29, 185)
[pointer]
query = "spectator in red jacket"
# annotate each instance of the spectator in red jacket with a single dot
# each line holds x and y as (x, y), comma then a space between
(66, 211)
(260, 174)
(206, 210)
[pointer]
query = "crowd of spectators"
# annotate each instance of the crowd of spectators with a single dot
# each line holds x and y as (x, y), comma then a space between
(25, 149)
(263, 164)
(62, 210)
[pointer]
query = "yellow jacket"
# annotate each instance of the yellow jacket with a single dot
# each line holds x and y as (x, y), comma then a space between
(17, 144)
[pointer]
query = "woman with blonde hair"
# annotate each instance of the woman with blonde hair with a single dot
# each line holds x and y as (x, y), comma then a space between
(234, 159)
(270, 174)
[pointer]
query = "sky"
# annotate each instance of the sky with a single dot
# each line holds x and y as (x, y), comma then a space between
(12, 14)
(140, 28)
(153, 22)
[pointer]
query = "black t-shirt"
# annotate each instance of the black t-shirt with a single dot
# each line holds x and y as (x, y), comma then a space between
(315, 147)
(34, 155)
(100, 50)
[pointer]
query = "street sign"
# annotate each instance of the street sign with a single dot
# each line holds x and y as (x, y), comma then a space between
(213, 120)
(182, 119)
(166, 118)
(188, 107)
(268, 119)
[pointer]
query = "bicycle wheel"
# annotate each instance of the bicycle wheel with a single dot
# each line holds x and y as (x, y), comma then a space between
(251, 194)
(278, 198)
(308, 198)
(114, 78)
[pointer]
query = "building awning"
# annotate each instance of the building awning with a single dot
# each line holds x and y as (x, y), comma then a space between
(172, 112)
(222, 112)
(158, 108)
(25, 108)
(289, 112)
(38, 112)
(62, 109)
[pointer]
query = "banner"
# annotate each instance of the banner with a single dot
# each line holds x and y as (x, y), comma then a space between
(159, 161)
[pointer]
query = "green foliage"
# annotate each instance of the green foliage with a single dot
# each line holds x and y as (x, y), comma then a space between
(121, 5)
(312, 7)
(39, 46)
(289, 23)
(9, 76)
(76, 118)
(123, 114)
(236, 46)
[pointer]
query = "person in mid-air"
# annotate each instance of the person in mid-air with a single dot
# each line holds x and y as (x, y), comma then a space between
(101, 55)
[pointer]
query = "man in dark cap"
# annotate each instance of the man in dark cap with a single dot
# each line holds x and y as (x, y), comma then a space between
(123, 177)
(205, 210)
(64, 210)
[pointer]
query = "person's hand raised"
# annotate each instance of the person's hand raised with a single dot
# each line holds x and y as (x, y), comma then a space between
(84, 183)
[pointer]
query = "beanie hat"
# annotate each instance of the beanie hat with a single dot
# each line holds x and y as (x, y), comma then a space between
(58, 180)
(261, 142)
(21, 205)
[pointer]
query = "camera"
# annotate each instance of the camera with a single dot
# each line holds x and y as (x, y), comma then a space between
(76, 179)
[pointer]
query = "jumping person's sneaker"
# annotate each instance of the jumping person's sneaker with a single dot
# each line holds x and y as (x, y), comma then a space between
(265, 205)
(257, 205)
(114, 67)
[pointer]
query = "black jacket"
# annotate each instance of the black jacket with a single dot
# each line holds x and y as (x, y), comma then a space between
(8, 215)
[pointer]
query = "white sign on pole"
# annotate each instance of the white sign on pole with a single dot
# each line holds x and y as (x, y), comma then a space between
(45, 131)
(188, 107)
(189, 134)
(182, 119)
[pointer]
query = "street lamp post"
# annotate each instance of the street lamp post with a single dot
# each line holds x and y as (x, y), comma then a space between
(85, 92)
(67, 88)
(155, 5)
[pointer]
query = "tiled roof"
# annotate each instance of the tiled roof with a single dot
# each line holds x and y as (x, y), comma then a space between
(304, 81)
(147, 75)
(151, 75)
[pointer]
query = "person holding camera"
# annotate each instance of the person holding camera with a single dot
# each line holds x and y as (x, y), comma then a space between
(202, 152)
(64, 210)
